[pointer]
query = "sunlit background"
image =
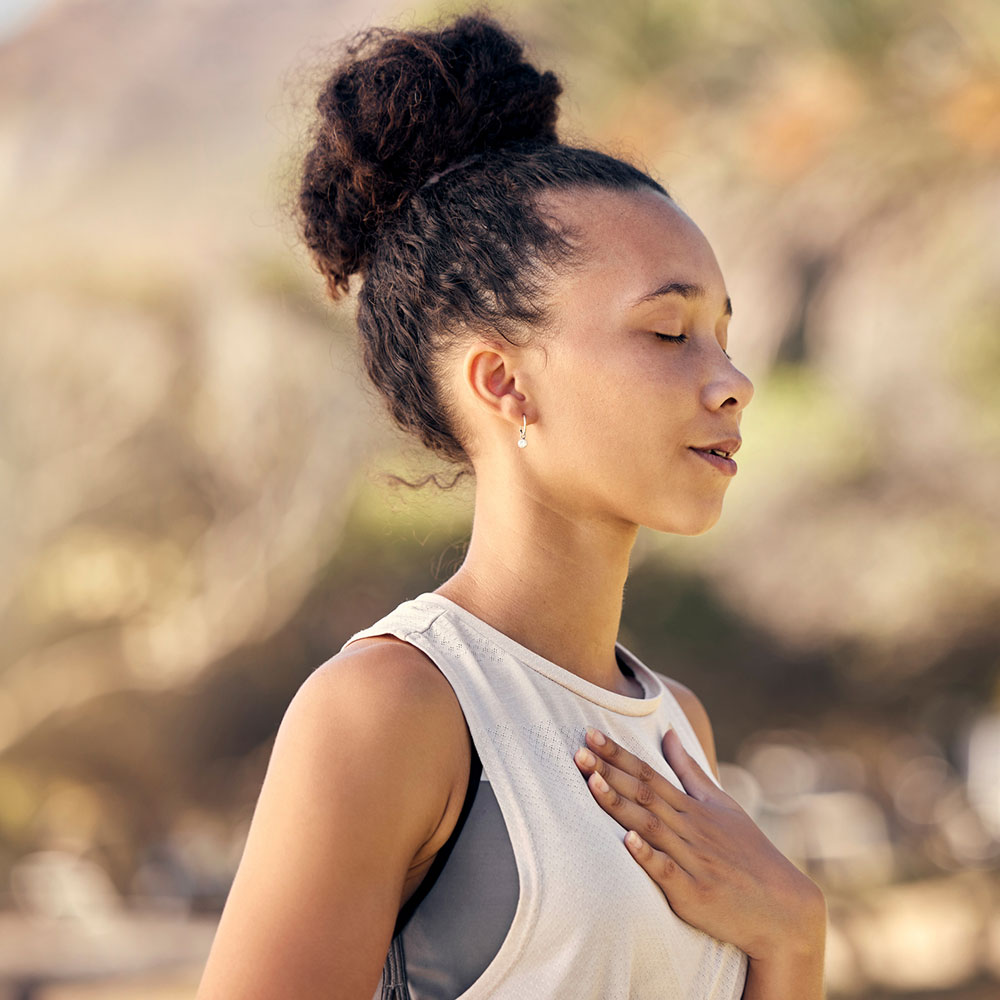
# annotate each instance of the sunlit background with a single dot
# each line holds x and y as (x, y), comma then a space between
(193, 473)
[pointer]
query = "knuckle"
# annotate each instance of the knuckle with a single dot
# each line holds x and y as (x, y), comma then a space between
(651, 824)
(704, 890)
(668, 867)
(644, 795)
(646, 771)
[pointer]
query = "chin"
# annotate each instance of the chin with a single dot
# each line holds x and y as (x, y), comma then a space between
(696, 522)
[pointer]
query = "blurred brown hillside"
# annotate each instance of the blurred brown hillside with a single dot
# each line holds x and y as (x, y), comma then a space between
(192, 519)
(181, 412)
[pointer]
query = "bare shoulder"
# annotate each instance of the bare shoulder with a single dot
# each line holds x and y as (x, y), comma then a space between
(376, 699)
(365, 781)
(393, 674)
(395, 690)
(697, 716)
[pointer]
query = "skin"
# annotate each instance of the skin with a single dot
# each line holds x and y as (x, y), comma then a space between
(372, 757)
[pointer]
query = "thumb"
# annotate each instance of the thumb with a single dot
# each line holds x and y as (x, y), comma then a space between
(696, 783)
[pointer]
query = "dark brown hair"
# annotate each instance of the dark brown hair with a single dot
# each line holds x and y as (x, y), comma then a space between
(426, 160)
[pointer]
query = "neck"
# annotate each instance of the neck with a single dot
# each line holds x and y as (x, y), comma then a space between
(552, 582)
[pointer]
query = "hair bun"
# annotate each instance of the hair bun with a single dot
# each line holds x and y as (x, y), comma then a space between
(404, 105)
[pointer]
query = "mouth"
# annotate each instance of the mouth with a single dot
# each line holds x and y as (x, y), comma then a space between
(718, 459)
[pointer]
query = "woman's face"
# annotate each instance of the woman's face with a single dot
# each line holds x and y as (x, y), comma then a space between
(614, 410)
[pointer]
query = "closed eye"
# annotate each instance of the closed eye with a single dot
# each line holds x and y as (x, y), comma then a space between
(679, 339)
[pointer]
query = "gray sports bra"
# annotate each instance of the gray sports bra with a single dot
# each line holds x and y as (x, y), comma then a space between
(462, 921)
(466, 907)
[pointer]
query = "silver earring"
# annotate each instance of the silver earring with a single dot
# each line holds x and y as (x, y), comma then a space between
(521, 443)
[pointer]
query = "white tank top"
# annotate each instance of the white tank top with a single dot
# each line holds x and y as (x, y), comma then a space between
(590, 924)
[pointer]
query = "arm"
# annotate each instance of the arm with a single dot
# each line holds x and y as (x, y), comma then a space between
(794, 971)
(361, 785)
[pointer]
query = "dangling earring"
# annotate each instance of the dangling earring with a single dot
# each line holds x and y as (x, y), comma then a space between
(521, 443)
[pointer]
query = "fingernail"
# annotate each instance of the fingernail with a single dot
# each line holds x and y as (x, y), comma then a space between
(633, 841)
(585, 757)
(598, 782)
(596, 736)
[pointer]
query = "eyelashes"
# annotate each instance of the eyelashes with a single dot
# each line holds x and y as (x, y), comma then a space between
(680, 339)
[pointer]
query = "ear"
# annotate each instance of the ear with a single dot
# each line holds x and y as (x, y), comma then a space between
(493, 371)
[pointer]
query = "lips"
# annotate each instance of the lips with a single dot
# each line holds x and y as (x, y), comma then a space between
(724, 464)
(727, 446)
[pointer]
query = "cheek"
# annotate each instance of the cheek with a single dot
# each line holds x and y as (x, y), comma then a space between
(626, 408)
(578, 387)
(594, 426)
(657, 402)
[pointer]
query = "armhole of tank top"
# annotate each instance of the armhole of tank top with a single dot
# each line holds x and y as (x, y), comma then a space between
(407, 910)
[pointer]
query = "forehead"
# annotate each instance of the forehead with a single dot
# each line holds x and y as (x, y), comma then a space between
(630, 243)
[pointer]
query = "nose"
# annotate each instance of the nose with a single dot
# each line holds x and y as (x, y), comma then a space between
(729, 387)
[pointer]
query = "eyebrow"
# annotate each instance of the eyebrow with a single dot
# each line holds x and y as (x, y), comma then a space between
(687, 290)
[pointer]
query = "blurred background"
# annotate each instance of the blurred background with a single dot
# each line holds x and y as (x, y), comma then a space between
(194, 476)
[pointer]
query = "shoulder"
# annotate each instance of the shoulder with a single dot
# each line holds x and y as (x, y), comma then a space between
(365, 779)
(379, 725)
(399, 718)
(382, 667)
(697, 716)
(390, 695)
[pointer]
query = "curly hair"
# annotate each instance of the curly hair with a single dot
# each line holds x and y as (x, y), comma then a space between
(427, 159)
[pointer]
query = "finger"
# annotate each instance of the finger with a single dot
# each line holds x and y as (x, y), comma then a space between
(696, 782)
(652, 823)
(608, 750)
(663, 869)
(628, 787)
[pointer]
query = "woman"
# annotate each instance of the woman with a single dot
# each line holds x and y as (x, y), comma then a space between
(546, 317)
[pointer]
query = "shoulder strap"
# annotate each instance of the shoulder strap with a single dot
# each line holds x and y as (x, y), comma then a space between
(437, 865)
